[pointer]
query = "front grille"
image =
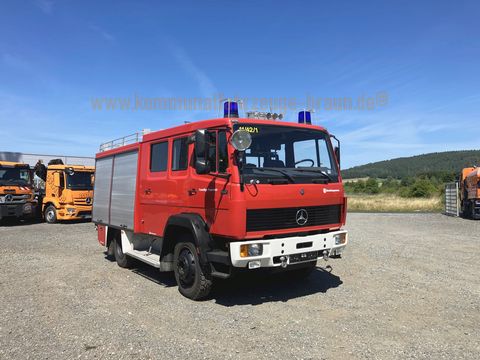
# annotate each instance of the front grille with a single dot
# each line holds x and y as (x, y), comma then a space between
(286, 218)
(14, 198)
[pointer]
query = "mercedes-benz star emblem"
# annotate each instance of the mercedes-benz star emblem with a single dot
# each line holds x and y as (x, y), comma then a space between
(302, 217)
(8, 198)
(88, 200)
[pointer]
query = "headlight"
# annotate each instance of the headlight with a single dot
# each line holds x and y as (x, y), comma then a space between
(251, 250)
(71, 210)
(27, 208)
(340, 239)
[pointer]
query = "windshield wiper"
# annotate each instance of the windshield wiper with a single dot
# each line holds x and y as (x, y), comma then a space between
(321, 172)
(288, 176)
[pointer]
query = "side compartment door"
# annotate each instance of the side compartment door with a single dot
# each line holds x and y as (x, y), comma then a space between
(102, 188)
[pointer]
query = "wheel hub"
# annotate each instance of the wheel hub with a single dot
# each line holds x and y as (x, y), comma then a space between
(186, 267)
(50, 215)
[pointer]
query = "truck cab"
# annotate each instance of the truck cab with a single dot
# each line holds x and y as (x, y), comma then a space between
(212, 198)
(470, 192)
(68, 193)
(16, 191)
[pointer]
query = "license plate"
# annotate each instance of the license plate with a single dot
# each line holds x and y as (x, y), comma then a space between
(312, 255)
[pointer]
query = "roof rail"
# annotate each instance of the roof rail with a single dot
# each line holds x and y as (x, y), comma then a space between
(129, 139)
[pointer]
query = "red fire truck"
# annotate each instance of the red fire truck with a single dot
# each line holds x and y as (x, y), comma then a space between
(211, 198)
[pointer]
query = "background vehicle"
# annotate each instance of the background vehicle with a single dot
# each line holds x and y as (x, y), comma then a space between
(68, 193)
(470, 192)
(210, 198)
(16, 191)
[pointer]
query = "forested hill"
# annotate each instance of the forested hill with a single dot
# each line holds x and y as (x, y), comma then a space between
(431, 164)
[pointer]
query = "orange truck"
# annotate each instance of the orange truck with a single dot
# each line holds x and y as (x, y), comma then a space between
(470, 192)
(68, 193)
(17, 199)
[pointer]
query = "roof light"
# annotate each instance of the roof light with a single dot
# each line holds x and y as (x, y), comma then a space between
(305, 117)
(230, 109)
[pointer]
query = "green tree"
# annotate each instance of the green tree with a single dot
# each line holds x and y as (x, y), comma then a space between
(372, 186)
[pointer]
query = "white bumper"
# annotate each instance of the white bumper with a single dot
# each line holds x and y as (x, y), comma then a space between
(286, 247)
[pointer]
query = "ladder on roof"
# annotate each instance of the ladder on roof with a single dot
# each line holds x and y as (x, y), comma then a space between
(125, 140)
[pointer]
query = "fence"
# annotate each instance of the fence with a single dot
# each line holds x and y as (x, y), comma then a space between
(452, 205)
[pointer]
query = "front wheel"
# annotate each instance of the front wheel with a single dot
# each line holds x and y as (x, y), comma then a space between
(50, 214)
(194, 282)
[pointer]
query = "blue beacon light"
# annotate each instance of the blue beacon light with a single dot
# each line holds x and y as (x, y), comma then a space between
(305, 117)
(230, 109)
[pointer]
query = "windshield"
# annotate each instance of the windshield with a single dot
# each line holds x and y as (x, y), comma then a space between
(14, 176)
(294, 155)
(80, 180)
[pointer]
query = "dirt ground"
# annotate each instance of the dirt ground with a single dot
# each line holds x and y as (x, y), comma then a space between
(408, 286)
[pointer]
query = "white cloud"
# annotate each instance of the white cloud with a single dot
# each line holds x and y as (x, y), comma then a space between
(45, 5)
(205, 84)
(102, 32)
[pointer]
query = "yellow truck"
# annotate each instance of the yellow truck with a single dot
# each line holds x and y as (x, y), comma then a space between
(470, 192)
(17, 199)
(68, 193)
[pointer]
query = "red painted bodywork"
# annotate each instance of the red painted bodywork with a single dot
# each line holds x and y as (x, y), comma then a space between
(102, 234)
(223, 211)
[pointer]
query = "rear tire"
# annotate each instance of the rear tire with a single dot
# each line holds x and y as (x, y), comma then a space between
(474, 213)
(194, 281)
(50, 214)
(123, 260)
(111, 249)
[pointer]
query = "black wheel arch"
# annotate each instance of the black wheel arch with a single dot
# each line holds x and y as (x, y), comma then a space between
(183, 224)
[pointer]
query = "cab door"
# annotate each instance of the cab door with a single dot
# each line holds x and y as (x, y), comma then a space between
(155, 187)
(209, 194)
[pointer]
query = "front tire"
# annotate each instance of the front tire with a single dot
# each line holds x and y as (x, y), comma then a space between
(194, 282)
(50, 214)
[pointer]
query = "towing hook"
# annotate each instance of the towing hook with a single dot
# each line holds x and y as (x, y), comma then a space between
(325, 255)
(283, 259)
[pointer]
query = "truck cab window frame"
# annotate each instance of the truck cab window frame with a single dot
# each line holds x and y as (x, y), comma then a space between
(159, 156)
(179, 154)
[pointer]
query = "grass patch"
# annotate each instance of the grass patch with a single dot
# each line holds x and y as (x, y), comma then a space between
(393, 203)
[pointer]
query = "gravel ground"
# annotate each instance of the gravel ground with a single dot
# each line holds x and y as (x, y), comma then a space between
(408, 286)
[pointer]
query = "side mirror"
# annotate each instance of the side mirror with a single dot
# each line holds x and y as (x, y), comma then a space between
(56, 179)
(336, 150)
(337, 154)
(202, 147)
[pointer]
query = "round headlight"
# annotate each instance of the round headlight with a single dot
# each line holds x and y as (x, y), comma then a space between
(241, 140)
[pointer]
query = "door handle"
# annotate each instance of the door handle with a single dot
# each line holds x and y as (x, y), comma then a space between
(192, 192)
(148, 191)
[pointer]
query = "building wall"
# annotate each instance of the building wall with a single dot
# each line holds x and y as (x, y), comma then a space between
(32, 159)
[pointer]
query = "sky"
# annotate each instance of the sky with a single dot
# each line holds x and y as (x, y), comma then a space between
(409, 69)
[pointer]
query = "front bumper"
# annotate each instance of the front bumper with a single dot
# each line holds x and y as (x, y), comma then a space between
(17, 210)
(292, 249)
(79, 213)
